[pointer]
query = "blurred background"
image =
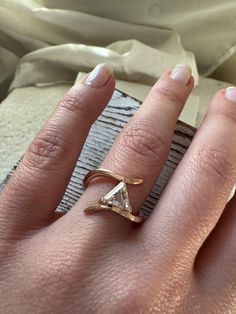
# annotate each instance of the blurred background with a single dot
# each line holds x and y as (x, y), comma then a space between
(46, 45)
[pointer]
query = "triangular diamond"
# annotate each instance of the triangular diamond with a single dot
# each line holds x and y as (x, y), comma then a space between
(118, 197)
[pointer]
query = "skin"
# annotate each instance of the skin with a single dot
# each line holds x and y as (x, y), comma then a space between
(181, 260)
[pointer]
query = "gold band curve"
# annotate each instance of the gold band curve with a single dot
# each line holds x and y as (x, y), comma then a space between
(130, 216)
(91, 175)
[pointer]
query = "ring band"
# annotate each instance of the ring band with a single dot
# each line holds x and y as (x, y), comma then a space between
(117, 199)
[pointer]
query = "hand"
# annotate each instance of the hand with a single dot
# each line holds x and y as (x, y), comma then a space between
(181, 260)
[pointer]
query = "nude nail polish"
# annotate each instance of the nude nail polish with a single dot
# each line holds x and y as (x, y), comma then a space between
(230, 94)
(181, 73)
(99, 76)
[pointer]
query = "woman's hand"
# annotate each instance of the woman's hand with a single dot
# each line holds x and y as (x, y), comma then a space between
(181, 260)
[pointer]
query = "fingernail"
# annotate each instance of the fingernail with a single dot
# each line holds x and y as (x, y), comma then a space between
(99, 76)
(181, 73)
(230, 94)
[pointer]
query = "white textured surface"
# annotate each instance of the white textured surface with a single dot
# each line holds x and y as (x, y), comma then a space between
(22, 114)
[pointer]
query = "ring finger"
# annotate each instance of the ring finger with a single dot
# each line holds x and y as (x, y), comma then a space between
(142, 146)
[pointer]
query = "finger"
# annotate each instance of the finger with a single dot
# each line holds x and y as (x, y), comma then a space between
(40, 180)
(197, 193)
(215, 262)
(142, 146)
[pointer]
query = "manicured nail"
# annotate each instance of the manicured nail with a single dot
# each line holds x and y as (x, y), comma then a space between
(99, 76)
(181, 73)
(230, 94)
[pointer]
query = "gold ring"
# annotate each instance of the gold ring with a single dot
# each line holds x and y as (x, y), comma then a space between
(117, 199)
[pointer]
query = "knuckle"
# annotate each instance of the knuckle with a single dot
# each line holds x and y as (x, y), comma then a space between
(132, 303)
(167, 93)
(49, 146)
(56, 273)
(225, 114)
(142, 141)
(216, 163)
(75, 104)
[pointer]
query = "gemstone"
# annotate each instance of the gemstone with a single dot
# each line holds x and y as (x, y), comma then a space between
(118, 197)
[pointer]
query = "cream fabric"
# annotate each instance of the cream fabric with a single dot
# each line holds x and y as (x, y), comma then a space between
(48, 42)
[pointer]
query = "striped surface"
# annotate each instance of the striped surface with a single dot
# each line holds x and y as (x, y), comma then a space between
(100, 139)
